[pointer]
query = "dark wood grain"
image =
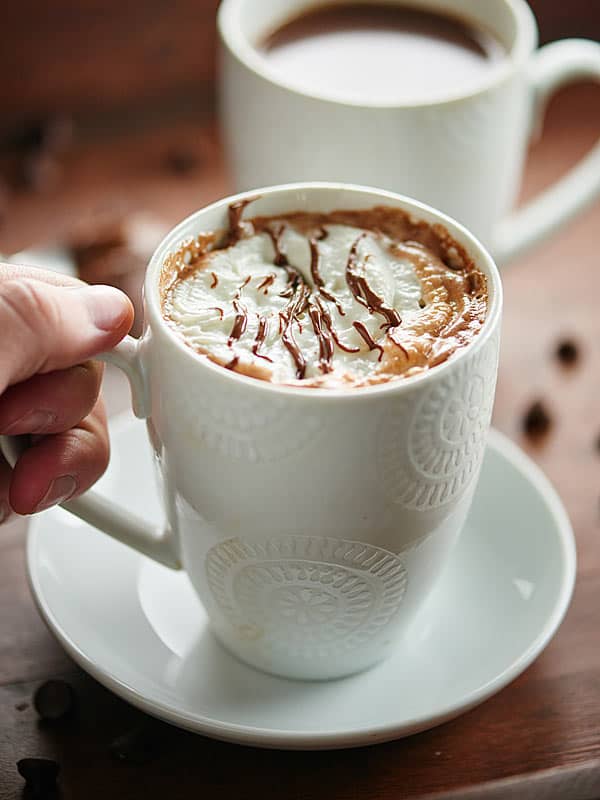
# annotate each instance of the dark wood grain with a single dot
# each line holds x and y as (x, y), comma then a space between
(538, 738)
(79, 56)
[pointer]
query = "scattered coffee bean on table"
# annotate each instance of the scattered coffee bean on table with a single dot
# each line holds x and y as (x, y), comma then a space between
(22, 706)
(537, 420)
(53, 700)
(567, 351)
(40, 774)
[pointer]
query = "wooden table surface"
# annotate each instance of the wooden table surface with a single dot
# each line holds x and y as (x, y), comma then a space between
(539, 737)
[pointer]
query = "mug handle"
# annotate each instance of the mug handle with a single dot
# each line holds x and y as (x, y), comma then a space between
(98, 511)
(551, 67)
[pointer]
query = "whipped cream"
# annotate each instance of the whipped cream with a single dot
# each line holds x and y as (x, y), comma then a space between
(325, 307)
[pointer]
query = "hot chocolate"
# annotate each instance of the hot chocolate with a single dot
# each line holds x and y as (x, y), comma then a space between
(325, 300)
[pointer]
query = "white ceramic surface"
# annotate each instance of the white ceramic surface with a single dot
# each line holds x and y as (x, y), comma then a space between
(139, 629)
(462, 153)
(312, 523)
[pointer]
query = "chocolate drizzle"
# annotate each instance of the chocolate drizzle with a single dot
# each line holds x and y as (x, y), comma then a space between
(324, 337)
(240, 322)
(238, 229)
(329, 323)
(294, 308)
(298, 293)
(364, 334)
(265, 283)
(215, 280)
(317, 278)
(280, 259)
(294, 276)
(261, 335)
(314, 263)
(295, 352)
(362, 291)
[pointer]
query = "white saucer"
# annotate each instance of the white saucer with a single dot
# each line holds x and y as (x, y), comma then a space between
(138, 628)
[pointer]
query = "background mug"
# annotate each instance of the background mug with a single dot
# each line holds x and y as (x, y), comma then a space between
(462, 153)
(311, 522)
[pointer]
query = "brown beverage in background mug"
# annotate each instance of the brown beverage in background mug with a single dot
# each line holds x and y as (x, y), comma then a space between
(380, 51)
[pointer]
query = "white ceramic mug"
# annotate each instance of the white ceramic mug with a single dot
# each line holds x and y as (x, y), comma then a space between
(462, 153)
(311, 522)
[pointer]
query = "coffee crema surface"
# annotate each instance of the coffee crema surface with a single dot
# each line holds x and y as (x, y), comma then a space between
(380, 51)
(325, 300)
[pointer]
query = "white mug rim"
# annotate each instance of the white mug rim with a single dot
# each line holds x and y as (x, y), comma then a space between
(524, 44)
(155, 322)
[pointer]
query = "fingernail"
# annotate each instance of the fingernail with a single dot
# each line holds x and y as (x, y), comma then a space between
(106, 306)
(36, 421)
(59, 490)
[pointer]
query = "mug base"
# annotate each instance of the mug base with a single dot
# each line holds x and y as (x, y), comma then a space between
(290, 668)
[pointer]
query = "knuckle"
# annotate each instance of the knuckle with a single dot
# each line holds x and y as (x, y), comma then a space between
(88, 446)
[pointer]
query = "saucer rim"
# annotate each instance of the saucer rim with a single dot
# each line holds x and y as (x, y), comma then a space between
(357, 736)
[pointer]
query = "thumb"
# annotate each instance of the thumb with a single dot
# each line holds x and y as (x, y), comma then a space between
(45, 328)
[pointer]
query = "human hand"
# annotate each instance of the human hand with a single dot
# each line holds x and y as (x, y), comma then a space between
(50, 326)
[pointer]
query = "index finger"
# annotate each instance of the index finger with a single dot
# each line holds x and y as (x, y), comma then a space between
(8, 271)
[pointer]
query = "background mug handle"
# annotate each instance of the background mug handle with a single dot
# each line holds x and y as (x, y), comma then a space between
(550, 68)
(91, 507)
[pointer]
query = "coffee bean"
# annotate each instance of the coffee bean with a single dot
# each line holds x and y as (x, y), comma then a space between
(181, 162)
(22, 706)
(139, 745)
(567, 351)
(53, 700)
(537, 420)
(40, 774)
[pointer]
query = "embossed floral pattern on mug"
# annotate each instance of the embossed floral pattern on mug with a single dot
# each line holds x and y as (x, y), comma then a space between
(247, 429)
(429, 453)
(305, 595)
